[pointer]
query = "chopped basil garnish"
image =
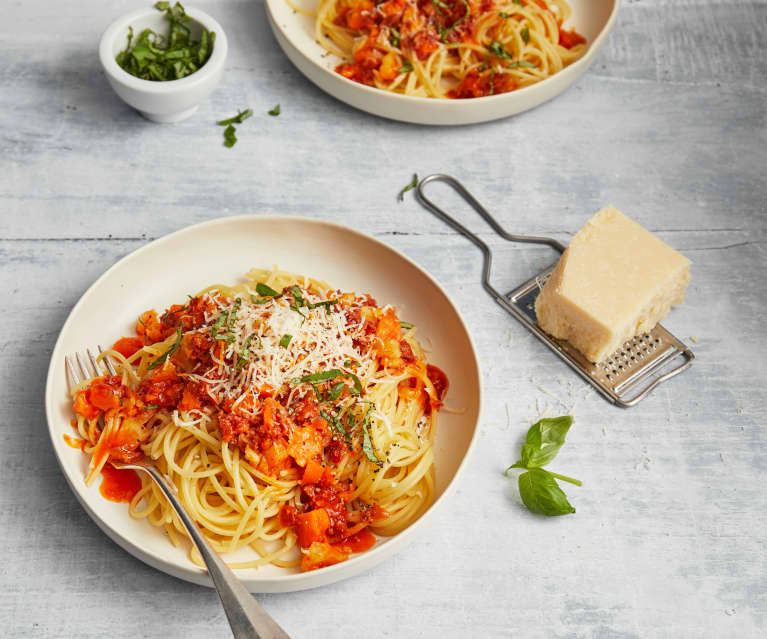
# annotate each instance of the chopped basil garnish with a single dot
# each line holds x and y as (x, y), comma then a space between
(406, 325)
(335, 391)
(233, 312)
(151, 406)
(285, 341)
(260, 300)
(337, 426)
(496, 48)
(169, 352)
(521, 63)
(367, 442)
(525, 33)
(413, 183)
(160, 58)
(406, 67)
(503, 15)
(219, 323)
(244, 353)
(263, 289)
(394, 37)
(319, 377)
(275, 110)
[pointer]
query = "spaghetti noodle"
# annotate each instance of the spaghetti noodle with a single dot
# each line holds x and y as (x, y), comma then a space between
(287, 414)
(448, 48)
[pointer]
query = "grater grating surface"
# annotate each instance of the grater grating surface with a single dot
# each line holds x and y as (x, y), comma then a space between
(625, 377)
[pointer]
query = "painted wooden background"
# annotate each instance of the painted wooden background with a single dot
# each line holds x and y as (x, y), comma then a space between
(670, 125)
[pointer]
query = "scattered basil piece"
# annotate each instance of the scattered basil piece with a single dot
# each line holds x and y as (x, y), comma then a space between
(538, 487)
(443, 33)
(237, 119)
(168, 353)
(275, 111)
(413, 183)
(357, 390)
(230, 139)
(263, 289)
(151, 406)
(503, 15)
(406, 67)
(173, 56)
(541, 493)
(260, 300)
(525, 33)
(521, 63)
(519, 2)
(285, 341)
(406, 325)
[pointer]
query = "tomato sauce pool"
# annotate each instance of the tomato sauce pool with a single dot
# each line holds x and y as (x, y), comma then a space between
(119, 485)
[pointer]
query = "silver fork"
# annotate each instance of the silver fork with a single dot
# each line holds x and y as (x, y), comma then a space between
(247, 618)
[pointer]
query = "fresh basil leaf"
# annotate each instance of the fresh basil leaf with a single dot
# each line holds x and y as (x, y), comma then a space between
(260, 300)
(264, 290)
(406, 325)
(406, 67)
(285, 341)
(503, 15)
(496, 48)
(151, 406)
(525, 33)
(521, 63)
(541, 493)
(357, 390)
(168, 353)
(297, 295)
(275, 111)
(413, 183)
(544, 439)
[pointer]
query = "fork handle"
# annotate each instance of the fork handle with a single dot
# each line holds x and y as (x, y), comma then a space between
(247, 618)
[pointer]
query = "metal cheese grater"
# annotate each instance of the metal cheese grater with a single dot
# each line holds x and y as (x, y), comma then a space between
(628, 375)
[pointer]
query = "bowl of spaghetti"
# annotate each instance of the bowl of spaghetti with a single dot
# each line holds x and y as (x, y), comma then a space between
(311, 418)
(442, 62)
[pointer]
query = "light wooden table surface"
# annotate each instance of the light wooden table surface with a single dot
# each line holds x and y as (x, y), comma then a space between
(669, 125)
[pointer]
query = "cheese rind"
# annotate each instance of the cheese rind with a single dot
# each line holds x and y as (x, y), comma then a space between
(615, 281)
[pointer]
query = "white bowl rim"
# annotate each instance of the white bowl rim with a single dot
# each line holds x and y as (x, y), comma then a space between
(117, 73)
(586, 60)
(279, 583)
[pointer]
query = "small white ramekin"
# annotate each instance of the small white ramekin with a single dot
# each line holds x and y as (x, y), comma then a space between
(173, 100)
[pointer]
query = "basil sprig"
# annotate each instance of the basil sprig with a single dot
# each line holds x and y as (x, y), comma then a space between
(413, 183)
(538, 488)
(367, 442)
(163, 358)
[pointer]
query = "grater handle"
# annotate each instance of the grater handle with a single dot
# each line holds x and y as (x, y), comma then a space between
(473, 237)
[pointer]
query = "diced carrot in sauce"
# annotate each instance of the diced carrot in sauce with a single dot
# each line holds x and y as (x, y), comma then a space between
(128, 346)
(311, 526)
(389, 67)
(322, 554)
(313, 472)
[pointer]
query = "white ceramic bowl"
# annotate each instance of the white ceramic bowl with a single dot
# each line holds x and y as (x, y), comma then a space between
(222, 251)
(170, 101)
(295, 34)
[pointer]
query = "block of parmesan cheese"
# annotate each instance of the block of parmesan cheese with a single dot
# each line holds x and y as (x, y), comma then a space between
(615, 281)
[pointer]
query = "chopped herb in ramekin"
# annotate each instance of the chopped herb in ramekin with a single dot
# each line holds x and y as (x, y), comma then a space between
(171, 57)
